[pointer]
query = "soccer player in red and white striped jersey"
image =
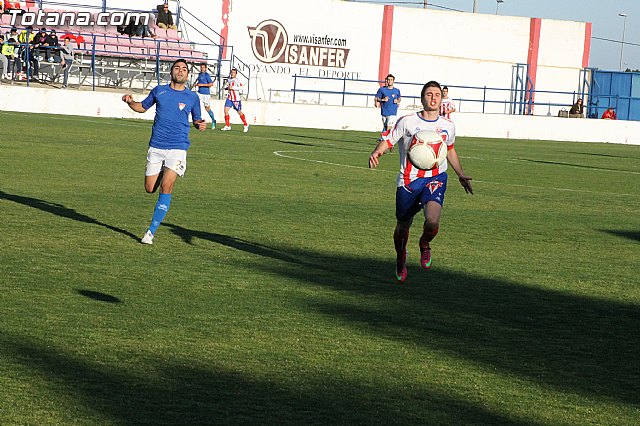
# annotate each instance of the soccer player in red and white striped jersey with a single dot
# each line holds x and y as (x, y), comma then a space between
(419, 189)
(447, 107)
(234, 101)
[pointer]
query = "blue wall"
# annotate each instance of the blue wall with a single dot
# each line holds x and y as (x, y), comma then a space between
(621, 90)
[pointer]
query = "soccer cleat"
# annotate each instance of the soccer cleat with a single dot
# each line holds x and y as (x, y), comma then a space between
(226, 128)
(401, 267)
(148, 238)
(246, 129)
(213, 125)
(425, 257)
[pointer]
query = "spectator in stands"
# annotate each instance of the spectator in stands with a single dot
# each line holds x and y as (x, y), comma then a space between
(26, 35)
(29, 61)
(39, 44)
(25, 38)
(577, 110)
(609, 114)
(447, 107)
(136, 29)
(165, 18)
(9, 48)
(13, 33)
(67, 59)
(53, 44)
(4, 60)
(1, 7)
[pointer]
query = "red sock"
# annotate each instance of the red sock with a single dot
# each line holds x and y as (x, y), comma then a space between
(244, 120)
(428, 234)
(400, 239)
(226, 120)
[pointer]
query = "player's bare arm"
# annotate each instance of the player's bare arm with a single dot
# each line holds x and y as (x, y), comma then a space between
(378, 152)
(454, 162)
(200, 125)
(136, 106)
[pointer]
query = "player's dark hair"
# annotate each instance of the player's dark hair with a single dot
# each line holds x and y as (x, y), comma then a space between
(234, 69)
(445, 87)
(180, 60)
(390, 75)
(430, 84)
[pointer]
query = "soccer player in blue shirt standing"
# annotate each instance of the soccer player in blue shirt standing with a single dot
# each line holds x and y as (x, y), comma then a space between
(204, 83)
(389, 98)
(167, 154)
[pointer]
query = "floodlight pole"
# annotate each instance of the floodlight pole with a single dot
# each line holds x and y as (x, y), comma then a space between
(475, 6)
(498, 4)
(624, 28)
(425, 4)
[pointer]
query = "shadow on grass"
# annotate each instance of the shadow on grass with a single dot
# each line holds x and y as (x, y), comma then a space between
(632, 235)
(593, 154)
(571, 342)
(345, 137)
(296, 143)
(62, 211)
(333, 147)
(558, 163)
(100, 297)
(184, 393)
(188, 235)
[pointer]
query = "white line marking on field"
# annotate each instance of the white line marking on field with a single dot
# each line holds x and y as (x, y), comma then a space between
(282, 154)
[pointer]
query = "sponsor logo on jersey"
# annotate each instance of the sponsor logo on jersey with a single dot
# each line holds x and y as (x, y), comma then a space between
(181, 106)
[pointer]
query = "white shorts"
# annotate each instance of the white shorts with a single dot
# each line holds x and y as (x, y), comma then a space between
(389, 121)
(174, 159)
(206, 99)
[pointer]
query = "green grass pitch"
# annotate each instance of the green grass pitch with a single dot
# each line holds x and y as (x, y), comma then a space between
(269, 295)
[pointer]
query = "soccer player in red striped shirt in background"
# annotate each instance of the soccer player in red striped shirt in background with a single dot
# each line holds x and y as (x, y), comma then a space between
(233, 101)
(447, 107)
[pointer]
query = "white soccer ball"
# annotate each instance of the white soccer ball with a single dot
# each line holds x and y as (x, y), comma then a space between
(427, 150)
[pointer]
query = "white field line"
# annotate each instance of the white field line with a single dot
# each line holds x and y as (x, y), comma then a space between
(284, 154)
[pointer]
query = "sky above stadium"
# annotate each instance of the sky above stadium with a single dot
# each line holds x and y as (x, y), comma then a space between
(603, 14)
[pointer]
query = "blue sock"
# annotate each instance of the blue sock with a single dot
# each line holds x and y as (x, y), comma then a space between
(162, 207)
(211, 115)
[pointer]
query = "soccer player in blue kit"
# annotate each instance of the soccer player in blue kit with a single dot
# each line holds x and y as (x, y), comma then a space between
(389, 98)
(167, 154)
(204, 83)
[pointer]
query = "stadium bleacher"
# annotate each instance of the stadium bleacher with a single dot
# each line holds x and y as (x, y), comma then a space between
(115, 54)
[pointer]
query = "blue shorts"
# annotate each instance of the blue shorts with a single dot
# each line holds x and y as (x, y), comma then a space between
(237, 105)
(410, 199)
